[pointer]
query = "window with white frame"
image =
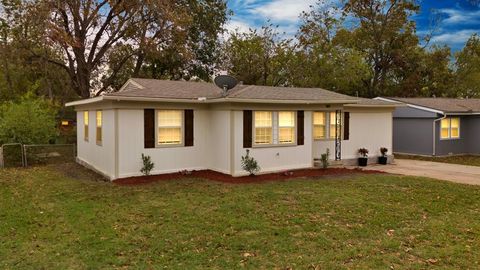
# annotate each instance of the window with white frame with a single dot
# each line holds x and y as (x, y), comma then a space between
(450, 128)
(85, 125)
(170, 124)
(263, 122)
(272, 128)
(319, 125)
(99, 124)
(324, 125)
(286, 127)
(333, 130)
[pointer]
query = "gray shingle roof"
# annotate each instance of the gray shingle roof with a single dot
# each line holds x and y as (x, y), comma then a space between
(170, 89)
(447, 105)
(194, 90)
(374, 102)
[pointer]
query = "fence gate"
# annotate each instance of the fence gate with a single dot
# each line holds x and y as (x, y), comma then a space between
(42, 154)
(11, 155)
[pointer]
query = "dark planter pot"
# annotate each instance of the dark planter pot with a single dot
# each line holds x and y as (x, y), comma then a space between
(362, 162)
(382, 160)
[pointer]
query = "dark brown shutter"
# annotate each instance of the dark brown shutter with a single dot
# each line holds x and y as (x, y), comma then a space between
(247, 129)
(346, 126)
(300, 128)
(188, 127)
(149, 128)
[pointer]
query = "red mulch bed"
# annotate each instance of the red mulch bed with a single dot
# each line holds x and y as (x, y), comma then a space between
(225, 178)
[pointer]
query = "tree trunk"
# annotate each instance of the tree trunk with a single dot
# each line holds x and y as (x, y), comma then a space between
(138, 64)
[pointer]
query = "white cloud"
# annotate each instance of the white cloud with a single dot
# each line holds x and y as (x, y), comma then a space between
(283, 10)
(457, 37)
(458, 16)
(237, 25)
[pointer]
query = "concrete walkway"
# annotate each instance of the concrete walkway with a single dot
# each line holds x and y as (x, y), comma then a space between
(443, 171)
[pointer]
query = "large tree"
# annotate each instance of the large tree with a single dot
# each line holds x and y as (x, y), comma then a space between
(385, 34)
(101, 43)
(326, 59)
(468, 68)
(19, 71)
(259, 57)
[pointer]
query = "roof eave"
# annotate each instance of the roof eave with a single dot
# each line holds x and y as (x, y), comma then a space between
(462, 113)
(84, 101)
(221, 100)
(208, 100)
(423, 108)
(375, 105)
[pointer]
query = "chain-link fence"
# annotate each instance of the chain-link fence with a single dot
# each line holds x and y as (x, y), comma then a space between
(18, 155)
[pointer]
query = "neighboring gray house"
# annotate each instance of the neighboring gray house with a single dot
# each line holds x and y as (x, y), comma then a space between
(436, 126)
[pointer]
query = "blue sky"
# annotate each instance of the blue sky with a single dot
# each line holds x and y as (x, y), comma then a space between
(458, 19)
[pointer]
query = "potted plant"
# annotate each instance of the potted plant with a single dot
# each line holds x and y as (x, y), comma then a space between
(363, 159)
(383, 159)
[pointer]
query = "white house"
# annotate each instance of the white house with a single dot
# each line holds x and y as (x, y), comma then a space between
(196, 126)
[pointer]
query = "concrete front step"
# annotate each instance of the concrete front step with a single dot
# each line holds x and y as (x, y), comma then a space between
(317, 163)
(350, 162)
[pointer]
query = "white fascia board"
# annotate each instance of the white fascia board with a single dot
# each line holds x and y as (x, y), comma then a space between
(411, 105)
(460, 114)
(276, 101)
(221, 100)
(84, 101)
(376, 105)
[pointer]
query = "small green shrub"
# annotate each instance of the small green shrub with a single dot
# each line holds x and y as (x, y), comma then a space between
(249, 164)
(324, 159)
(148, 165)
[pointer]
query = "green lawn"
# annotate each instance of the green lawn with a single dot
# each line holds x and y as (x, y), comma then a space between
(463, 160)
(55, 220)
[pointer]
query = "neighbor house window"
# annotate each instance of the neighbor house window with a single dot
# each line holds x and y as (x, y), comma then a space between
(85, 125)
(169, 127)
(99, 123)
(263, 127)
(286, 127)
(450, 128)
(324, 125)
(319, 125)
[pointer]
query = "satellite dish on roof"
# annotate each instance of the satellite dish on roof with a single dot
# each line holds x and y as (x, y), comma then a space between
(225, 82)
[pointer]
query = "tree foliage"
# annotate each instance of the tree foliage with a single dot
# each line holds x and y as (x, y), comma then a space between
(20, 70)
(468, 68)
(81, 48)
(98, 44)
(259, 57)
(30, 120)
(358, 47)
